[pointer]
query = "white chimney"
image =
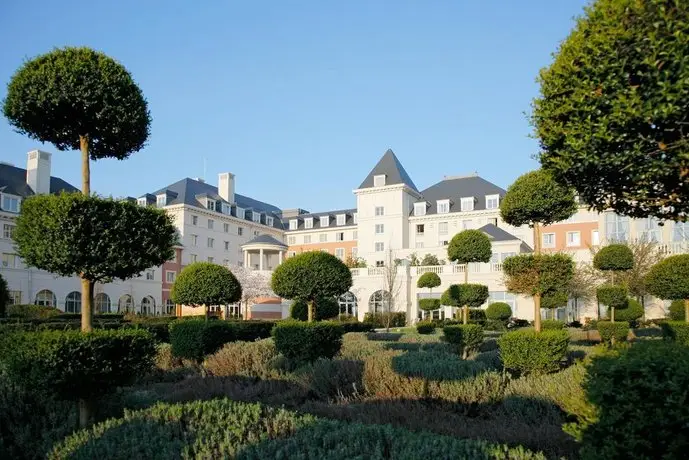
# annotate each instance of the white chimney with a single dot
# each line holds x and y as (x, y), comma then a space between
(226, 186)
(38, 171)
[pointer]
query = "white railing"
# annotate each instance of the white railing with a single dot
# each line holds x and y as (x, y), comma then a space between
(677, 247)
(376, 271)
(355, 271)
(429, 269)
(458, 268)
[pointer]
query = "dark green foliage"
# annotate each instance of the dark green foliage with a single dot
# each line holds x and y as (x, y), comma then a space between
(633, 312)
(471, 295)
(76, 365)
(4, 296)
(249, 331)
(676, 312)
(499, 311)
(477, 316)
(669, 278)
(425, 327)
(428, 280)
(609, 332)
(613, 296)
(610, 117)
(535, 198)
(355, 326)
(677, 331)
(306, 342)
(527, 352)
(72, 234)
(397, 319)
(495, 325)
(533, 274)
(429, 304)
(641, 400)
(614, 257)
(72, 92)
(552, 324)
(326, 308)
(467, 336)
(470, 246)
(431, 260)
(554, 299)
(33, 312)
(205, 284)
(194, 339)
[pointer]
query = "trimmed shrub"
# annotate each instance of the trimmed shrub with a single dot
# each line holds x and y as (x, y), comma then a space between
(354, 326)
(499, 311)
(194, 339)
(676, 312)
(252, 330)
(425, 327)
(429, 304)
(609, 331)
(677, 331)
(632, 313)
(552, 324)
(323, 309)
(641, 400)
(32, 311)
(378, 320)
(613, 296)
(428, 280)
(531, 352)
(614, 257)
(250, 359)
(329, 379)
(306, 342)
(495, 325)
(467, 336)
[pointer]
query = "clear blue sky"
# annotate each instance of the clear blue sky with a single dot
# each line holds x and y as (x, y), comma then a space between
(300, 98)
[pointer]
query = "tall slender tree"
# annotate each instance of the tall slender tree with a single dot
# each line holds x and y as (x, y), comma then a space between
(469, 246)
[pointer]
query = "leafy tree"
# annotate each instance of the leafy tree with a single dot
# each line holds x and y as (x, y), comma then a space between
(429, 304)
(499, 311)
(310, 276)
(204, 284)
(4, 296)
(613, 296)
(428, 280)
(669, 280)
(553, 300)
(535, 199)
(633, 312)
(323, 309)
(431, 260)
(469, 246)
(468, 295)
(676, 311)
(611, 117)
(355, 262)
(614, 258)
(97, 239)
(79, 99)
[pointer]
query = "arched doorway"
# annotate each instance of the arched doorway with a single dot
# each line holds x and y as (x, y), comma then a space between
(73, 302)
(124, 304)
(379, 302)
(102, 302)
(46, 298)
(148, 305)
(347, 303)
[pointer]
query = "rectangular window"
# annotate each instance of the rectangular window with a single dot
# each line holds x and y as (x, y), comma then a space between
(443, 243)
(341, 219)
(323, 238)
(442, 228)
(339, 253)
(355, 217)
(193, 257)
(211, 241)
(194, 220)
(548, 240)
(680, 232)
(269, 221)
(150, 275)
(443, 206)
(339, 236)
(307, 239)
(466, 225)
(226, 228)
(355, 252)
(419, 245)
(380, 211)
(616, 228)
(380, 229)
(194, 240)
(225, 208)
(227, 245)
(256, 217)
(293, 224)
(240, 231)
(161, 200)
(241, 213)
(210, 204)
(467, 204)
(170, 276)
(649, 229)
(573, 239)
(211, 222)
(595, 238)
(15, 297)
(139, 201)
(8, 231)
(380, 247)
(325, 221)
(10, 261)
(379, 180)
(308, 222)
(420, 209)
(291, 240)
(420, 229)
(492, 201)
(380, 263)
(255, 232)
(210, 259)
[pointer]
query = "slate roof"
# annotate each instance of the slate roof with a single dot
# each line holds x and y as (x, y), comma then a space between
(495, 233)
(456, 188)
(13, 181)
(265, 239)
(349, 219)
(391, 167)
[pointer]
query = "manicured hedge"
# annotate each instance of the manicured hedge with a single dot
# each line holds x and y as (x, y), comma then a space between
(632, 313)
(306, 342)
(552, 324)
(195, 339)
(616, 331)
(252, 330)
(467, 336)
(397, 319)
(31, 311)
(425, 327)
(527, 352)
(355, 326)
(429, 304)
(677, 312)
(499, 311)
(677, 331)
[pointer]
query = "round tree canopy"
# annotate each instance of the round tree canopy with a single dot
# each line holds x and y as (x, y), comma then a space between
(533, 274)
(554, 299)
(428, 280)
(633, 311)
(614, 257)
(471, 295)
(73, 92)
(204, 283)
(611, 117)
(535, 198)
(310, 276)
(470, 246)
(612, 296)
(669, 278)
(499, 311)
(429, 304)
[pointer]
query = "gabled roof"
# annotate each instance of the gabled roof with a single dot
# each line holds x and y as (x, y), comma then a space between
(456, 188)
(393, 170)
(265, 239)
(349, 219)
(495, 233)
(13, 181)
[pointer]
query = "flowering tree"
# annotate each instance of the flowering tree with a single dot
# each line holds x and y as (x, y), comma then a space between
(254, 285)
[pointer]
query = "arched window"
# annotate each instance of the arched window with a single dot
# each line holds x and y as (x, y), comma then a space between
(347, 302)
(102, 301)
(169, 307)
(46, 298)
(124, 305)
(147, 305)
(379, 302)
(73, 302)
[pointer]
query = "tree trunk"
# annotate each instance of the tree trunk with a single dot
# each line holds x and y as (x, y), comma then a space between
(552, 313)
(465, 308)
(86, 305)
(686, 310)
(309, 309)
(612, 314)
(85, 166)
(206, 312)
(537, 296)
(85, 413)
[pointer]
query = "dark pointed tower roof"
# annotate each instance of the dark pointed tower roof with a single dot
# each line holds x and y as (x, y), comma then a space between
(391, 167)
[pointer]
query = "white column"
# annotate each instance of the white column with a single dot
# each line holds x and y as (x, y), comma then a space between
(280, 257)
(246, 258)
(260, 259)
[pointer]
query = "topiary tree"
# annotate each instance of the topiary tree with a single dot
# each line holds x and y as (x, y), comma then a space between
(614, 258)
(632, 313)
(611, 116)
(499, 311)
(535, 199)
(468, 295)
(326, 308)
(310, 276)
(4, 297)
(669, 280)
(469, 246)
(429, 280)
(204, 284)
(676, 310)
(79, 99)
(552, 300)
(614, 297)
(96, 239)
(537, 275)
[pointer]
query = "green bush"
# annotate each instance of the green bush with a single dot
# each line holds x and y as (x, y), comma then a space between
(429, 304)
(677, 310)
(632, 313)
(32, 311)
(76, 365)
(250, 359)
(477, 316)
(641, 397)
(326, 308)
(499, 311)
(528, 352)
(354, 326)
(614, 257)
(194, 339)
(610, 331)
(252, 330)
(677, 331)
(306, 342)
(425, 327)
(495, 325)
(467, 336)
(552, 324)
(613, 296)
(397, 319)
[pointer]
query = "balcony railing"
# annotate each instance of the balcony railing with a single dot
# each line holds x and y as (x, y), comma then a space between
(438, 269)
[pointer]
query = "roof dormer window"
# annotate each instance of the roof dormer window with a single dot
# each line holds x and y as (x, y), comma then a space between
(492, 201)
(11, 203)
(225, 208)
(293, 224)
(379, 180)
(308, 222)
(142, 201)
(420, 209)
(443, 206)
(325, 221)
(467, 203)
(341, 219)
(269, 221)
(256, 217)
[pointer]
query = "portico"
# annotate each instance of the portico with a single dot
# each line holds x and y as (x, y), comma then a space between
(263, 253)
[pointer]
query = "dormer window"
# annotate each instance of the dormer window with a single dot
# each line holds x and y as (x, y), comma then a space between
(420, 209)
(325, 221)
(256, 217)
(293, 224)
(210, 204)
(161, 200)
(240, 213)
(308, 222)
(341, 218)
(492, 201)
(379, 180)
(11, 204)
(467, 203)
(140, 202)
(269, 221)
(443, 206)
(225, 208)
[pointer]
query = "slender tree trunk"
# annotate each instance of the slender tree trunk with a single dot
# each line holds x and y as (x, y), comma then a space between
(537, 296)
(612, 314)
(686, 310)
(86, 305)
(85, 166)
(465, 308)
(207, 312)
(552, 313)
(85, 413)
(309, 309)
